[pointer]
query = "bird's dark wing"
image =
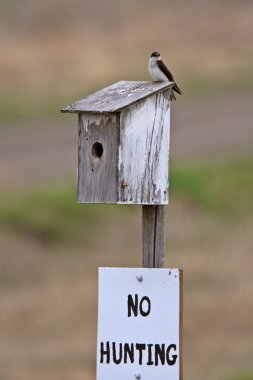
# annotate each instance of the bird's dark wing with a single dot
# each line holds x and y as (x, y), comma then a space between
(176, 88)
(165, 70)
(168, 74)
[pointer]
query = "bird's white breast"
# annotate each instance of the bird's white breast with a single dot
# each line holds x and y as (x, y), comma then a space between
(154, 70)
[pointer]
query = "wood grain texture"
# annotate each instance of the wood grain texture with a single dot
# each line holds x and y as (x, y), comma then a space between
(144, 151)
(133, 168)
(117, 96)
(153, 236)
(97, 176)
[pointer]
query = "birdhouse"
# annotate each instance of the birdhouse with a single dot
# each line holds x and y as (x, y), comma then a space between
(123, 145)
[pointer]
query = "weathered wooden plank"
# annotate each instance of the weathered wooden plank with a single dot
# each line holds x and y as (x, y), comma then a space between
(144, 151)
(117, 96)
(97, 158)
(153, 236)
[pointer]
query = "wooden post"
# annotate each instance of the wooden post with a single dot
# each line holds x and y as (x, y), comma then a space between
(153, 236)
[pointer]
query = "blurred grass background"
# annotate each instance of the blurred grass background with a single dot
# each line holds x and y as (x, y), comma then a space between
(51, 215)
(55, 52)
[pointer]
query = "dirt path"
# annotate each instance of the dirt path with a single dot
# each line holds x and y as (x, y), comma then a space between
(202, 128)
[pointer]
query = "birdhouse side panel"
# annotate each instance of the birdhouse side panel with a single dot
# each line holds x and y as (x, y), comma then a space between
(144, 151)
(97, 158)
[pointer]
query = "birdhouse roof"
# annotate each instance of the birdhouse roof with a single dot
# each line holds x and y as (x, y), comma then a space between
(117, 96)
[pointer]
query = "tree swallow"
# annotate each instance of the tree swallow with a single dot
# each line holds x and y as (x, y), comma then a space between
(159, 72)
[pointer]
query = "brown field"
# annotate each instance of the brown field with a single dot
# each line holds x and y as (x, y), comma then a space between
(68, 47)
(49, 301)
(49, 294)
(63, 50)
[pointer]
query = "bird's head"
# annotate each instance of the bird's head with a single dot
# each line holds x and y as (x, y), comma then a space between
(155, 56)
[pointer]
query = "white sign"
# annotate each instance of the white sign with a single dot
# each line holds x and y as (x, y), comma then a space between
(139, 324)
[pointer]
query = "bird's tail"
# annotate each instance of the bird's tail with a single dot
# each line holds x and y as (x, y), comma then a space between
(172, 95)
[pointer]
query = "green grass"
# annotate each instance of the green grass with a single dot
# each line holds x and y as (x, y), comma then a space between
(241, 377)
(52, 215)
(237, 80)
(222, 189)
(16, 107)
(21, 105)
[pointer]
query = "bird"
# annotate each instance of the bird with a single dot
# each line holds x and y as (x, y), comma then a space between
(159, 72)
